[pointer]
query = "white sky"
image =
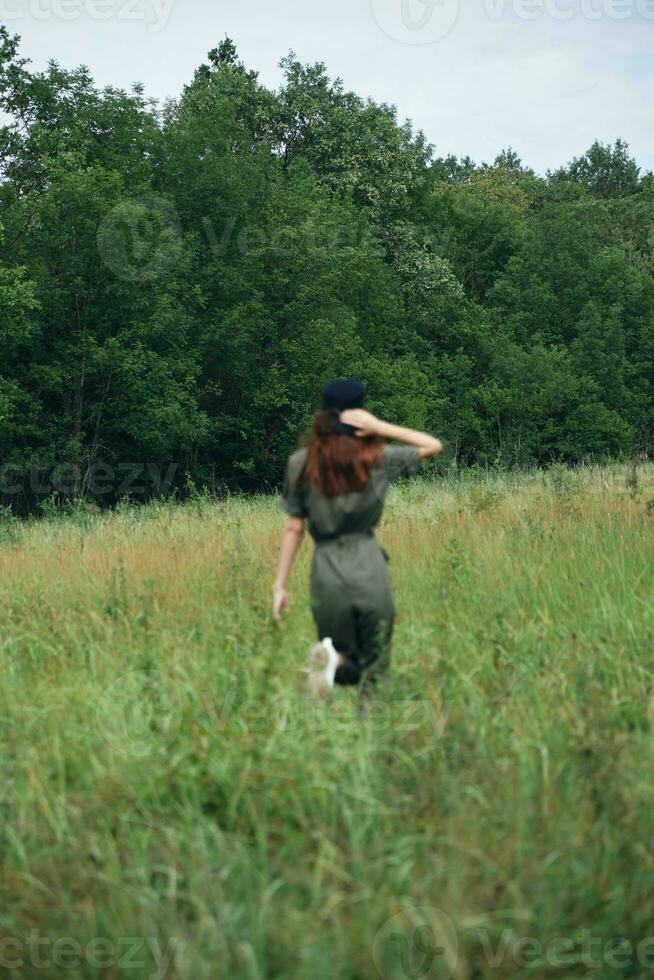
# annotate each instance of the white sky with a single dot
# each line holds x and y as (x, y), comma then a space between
(544, 76)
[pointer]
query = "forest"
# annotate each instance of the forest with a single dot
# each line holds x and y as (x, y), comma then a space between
(178, 280)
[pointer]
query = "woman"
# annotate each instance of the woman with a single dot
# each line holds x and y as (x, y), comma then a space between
(338, 484)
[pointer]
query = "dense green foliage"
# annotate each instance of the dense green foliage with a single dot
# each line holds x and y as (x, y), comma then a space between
(175, 282)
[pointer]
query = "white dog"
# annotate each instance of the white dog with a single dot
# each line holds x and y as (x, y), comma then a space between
(321, 672)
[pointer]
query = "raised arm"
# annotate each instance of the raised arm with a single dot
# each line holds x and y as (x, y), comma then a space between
(368, 425)
(291, 541)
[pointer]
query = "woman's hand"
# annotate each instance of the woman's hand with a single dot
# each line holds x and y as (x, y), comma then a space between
(281, 603)
(291, 541)
(364, 422)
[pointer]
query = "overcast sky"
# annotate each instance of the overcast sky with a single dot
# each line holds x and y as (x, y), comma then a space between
(544, 76)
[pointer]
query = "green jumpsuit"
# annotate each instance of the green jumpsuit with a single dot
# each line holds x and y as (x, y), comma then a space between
(351, 594)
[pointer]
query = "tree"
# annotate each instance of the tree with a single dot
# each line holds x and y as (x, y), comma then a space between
(605, 171)
(176, 283)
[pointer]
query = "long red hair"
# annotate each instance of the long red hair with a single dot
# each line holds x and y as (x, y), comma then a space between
(338, 463)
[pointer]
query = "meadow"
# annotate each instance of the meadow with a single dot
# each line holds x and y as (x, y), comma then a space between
(173, 806)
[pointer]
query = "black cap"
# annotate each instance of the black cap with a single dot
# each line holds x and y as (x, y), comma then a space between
(339, 396)
(342, 394)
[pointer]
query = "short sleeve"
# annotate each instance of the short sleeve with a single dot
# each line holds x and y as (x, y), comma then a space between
(401, 461)
(293, 495)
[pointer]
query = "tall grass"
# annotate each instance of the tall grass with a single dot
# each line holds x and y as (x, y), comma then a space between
(173, 806)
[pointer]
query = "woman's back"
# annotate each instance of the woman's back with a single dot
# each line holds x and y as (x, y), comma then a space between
(358, 512)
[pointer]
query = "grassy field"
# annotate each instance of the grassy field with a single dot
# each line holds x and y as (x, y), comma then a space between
(173, 807)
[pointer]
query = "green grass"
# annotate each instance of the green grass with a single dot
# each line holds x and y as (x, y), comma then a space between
(174, 807)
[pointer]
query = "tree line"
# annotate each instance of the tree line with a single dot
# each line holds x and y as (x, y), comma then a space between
(177, 280)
